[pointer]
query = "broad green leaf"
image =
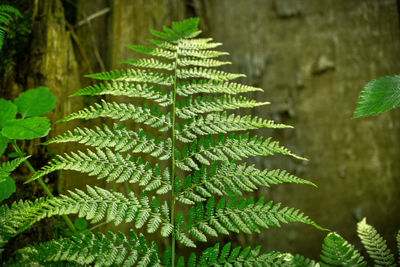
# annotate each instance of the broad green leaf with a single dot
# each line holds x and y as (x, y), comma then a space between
(29, 128)
(35, 102)
(8, 111)
(7, 187)
(378, 96)
(3, 144)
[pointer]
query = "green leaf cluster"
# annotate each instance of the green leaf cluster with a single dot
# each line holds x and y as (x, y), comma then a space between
(28, 125)
(190, 133)
(7, 15)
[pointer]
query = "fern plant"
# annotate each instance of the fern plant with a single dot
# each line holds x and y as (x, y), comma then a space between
(205, 170)
(7, 13)
(338, 252)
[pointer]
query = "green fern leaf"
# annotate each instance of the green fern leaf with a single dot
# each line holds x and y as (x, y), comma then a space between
(123, 112)
(374, 244)
(204, 86)
(234, 147)
(190, 61)
(211, 74)
(110, 165)
(126, 89)
(94, 205)
(113, 249)
(194, 106)
(8, 167)
(150, 63)
(239, 216)
(398, 243)
(132, 75)
(338, 252)
(215, 256)
(7, 14)
(119, 138)
(216, 123)
(230, 178)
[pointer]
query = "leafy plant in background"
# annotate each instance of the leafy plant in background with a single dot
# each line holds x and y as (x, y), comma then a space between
(378, 96)
(6, 16)
(176, 68)
(338, 252)
(22, 120)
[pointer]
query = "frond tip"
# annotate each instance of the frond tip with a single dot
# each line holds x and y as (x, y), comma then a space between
(338, 252)
(375, 244)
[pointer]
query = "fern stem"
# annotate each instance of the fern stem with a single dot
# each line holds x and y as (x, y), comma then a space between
(173, 163)
(43, 185)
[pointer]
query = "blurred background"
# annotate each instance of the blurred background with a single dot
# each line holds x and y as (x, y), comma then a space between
(311, 57)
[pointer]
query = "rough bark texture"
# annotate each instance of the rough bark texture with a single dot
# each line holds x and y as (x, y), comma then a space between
(311, 57)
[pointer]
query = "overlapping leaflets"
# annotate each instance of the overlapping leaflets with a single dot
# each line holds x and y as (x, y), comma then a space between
(29, 106)
(7, 184)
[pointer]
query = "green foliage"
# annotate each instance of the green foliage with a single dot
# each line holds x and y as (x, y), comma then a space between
(7, 14)
(374, 244)
(197, 143)
(7, 184)
(113, 249)
(25, 129)
(378, 96)
(35, 102)
(30, 104)
(338, 252)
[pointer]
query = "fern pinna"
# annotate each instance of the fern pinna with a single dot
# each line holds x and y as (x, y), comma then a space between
(175, 69)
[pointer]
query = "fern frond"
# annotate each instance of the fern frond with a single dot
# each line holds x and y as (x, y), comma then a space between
(113, 249)
(189, 61)
(128, 89)
(215, 87)
(123, 112)
(198, 44)
(120, 138)
(216, 123)
(150, 63)
(374, 244)
(151, 51)
(227, 256)
(225, 148)
(239, 216)
(211, 74)
(94, 205)
(110, 165)
(398, 244)
(8, 167)
(203, 54)
(7, 13)
(229, 179)
(338, 252)
(191, 107)
(187, 28)
(134, 75)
